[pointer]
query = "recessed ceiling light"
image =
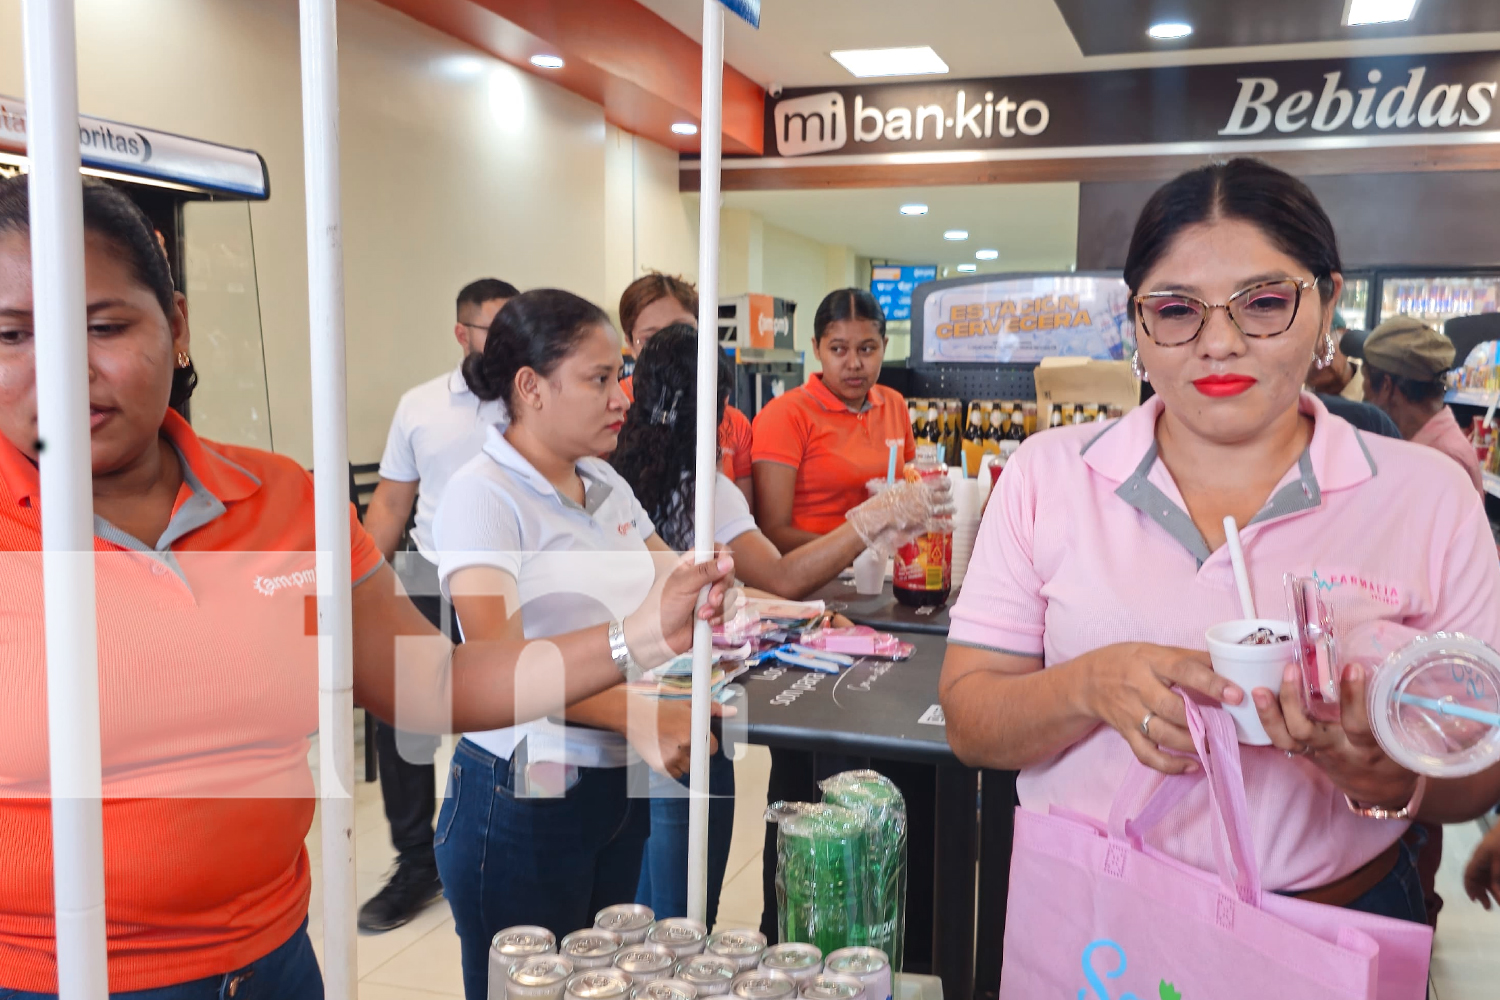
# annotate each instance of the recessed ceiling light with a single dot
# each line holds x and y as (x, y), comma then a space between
(956, 234)
(685, 128)
(1378, 11)
(914, 208)
(968, 268)
(986, 254)
(1170, 29)
(916, 60)
(547, 62)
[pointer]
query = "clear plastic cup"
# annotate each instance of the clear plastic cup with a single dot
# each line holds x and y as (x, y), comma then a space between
(869, 572)
(1249, 667)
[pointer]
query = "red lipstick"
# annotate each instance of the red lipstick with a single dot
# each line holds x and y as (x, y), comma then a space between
(1219, 386)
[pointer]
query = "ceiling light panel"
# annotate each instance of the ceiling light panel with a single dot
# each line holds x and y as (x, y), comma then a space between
(917, 60)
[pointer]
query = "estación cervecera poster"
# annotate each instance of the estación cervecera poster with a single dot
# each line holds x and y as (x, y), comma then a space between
(1022, 319)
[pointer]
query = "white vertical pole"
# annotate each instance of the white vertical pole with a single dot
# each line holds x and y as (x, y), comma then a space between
(62, 366)
(711, 143)
(325, 294)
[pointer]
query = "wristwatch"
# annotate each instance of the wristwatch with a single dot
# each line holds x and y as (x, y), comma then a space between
(1408, 811)
(620, 653)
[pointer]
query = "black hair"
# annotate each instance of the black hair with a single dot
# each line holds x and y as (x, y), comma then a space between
(477, 293)
(847, 303)
(657, 451)
(1275, 202)
(109, 212)
(536, 330)
(1415, 390)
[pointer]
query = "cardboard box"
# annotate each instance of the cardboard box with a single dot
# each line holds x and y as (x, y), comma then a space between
(1086, 380)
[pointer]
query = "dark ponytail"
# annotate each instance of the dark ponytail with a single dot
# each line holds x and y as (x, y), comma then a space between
(536, 330)
(1272, 200)
(109, 212)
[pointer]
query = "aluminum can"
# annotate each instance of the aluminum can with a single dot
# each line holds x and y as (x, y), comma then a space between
(684, 936)
(742, 947)
(664, 989)
(799, 962)
(868, 965)
(593, 948)
(644, 962)
(629, 920)
(598, 984)
(762, 984)
(510, 946)
(710, 975)
(832, 987)
(539, 977)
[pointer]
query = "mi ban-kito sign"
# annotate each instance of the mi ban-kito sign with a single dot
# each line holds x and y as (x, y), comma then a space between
(1148, 111)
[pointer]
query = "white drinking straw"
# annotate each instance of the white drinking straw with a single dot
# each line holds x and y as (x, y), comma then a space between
(1241, 575)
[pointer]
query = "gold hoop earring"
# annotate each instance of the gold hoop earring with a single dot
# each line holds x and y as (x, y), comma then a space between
(183, 360)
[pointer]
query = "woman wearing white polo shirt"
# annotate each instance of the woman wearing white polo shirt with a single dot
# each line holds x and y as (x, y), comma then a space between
(656, 456)
(537, 826)
(1101, 561)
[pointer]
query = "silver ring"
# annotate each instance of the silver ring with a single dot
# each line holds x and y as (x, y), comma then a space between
(1294, 754)
(1146, 724)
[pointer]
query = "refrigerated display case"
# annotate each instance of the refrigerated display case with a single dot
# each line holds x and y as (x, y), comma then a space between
(1354, 304)
(1436, 296)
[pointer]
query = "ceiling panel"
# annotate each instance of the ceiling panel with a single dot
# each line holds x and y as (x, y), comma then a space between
(1034, 226)
(980, 38)
(1109, 27)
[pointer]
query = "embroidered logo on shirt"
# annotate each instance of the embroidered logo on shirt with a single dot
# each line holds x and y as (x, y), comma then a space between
(1384, 593)
(269, 585)
(624, 528)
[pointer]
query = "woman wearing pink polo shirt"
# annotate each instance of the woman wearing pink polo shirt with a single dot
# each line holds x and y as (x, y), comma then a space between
(1102, 561)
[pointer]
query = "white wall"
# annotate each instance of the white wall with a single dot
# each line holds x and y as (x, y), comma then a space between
(455, 166)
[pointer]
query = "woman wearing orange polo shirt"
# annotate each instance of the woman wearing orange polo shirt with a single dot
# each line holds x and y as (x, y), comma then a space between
(207, 676)
(653, 303)
(817, 446)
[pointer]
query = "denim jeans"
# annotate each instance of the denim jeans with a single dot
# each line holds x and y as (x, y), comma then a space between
(664, 869)
(1399, 894)
(288, 973)
(549, 861)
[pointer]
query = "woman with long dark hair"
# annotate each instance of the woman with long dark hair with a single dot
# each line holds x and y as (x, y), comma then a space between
(656, 455)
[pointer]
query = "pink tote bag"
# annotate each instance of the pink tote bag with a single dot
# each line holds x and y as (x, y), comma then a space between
(1095, 913)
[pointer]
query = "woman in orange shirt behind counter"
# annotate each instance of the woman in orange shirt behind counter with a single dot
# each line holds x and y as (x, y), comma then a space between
(817, 446)
(653, 303)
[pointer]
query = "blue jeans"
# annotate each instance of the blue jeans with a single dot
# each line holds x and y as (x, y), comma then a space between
(1399, 894)
(288, 973)
(548, 861)
(664, 870)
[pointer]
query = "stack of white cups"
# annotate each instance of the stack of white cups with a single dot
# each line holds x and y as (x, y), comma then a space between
(968, 503)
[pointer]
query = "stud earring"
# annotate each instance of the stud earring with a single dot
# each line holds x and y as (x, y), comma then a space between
(183, 360)
(1137, 369)
(1325, 356)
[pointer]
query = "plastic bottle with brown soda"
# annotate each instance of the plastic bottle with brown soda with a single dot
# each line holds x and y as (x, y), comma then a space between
(923, 572)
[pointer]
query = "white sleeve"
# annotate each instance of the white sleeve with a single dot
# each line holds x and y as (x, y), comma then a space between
(476, 525)
(399, 462)
(732, 516)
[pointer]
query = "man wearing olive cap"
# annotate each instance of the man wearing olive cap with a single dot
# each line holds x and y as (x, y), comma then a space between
(1405, 364)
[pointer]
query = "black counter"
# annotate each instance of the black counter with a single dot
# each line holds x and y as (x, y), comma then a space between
(883, 611)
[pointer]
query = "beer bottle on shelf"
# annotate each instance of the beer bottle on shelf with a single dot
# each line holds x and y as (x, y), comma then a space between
(1017, 429)
(911, 415)
(955, 453)
(934, 424)
(919, 421)
(1056, 418)
(992, 433)
(1029, 426)
(973, 446)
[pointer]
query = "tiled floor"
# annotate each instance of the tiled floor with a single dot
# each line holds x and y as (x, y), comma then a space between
(420, 961)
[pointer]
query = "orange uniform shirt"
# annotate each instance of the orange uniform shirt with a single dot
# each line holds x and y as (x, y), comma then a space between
(834, 450)
(734, 437)
(208, 693)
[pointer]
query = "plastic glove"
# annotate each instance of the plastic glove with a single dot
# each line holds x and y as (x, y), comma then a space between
(901, 512)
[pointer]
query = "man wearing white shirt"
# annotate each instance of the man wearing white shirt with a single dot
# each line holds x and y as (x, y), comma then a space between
(438, 426)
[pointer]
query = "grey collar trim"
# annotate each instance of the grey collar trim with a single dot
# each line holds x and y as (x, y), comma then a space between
(1146, 497)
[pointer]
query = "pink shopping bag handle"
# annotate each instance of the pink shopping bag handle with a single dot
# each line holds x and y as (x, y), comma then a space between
(1218, 750)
